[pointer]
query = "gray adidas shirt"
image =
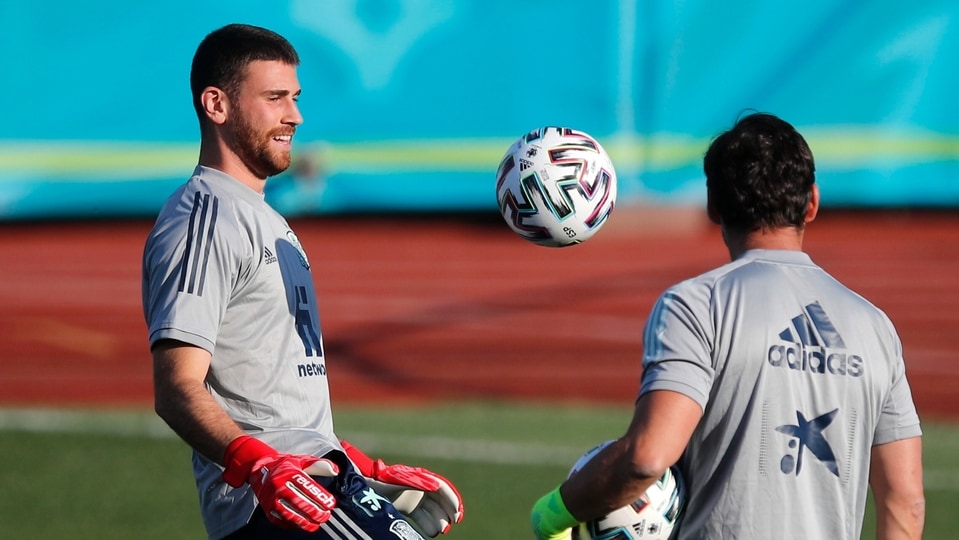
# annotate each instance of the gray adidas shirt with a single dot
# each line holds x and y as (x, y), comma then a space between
(798, 377)
(223, 271)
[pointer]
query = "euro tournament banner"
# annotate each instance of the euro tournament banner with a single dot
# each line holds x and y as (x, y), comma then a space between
(410, 104)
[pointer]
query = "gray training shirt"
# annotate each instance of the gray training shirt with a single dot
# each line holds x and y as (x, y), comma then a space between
(798, 378)
(223, 271)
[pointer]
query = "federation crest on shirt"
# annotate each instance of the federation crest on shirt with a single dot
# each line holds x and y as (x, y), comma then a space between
(291, 236)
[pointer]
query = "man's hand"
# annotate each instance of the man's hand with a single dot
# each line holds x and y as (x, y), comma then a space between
(426, 498)
(550, 519)
(281, 482)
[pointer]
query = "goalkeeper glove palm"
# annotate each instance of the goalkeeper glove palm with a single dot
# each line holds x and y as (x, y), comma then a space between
(426, 498)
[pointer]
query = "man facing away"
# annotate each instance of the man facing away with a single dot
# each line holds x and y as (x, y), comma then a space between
(239, 364)
(781, 393)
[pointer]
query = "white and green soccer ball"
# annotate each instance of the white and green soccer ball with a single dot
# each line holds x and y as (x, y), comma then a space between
(556, 186)
(653, 516)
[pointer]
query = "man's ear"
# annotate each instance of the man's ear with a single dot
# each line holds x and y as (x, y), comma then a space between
(711, 210)
(216, 104)
(812, 209)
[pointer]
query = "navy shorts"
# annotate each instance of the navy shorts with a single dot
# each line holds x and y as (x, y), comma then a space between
(360, 514)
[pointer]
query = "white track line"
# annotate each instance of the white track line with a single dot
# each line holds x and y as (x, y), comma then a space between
(134, 424)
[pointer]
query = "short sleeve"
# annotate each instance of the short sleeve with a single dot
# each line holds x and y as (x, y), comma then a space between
(898, 419)
(190, 262)
(676, 348)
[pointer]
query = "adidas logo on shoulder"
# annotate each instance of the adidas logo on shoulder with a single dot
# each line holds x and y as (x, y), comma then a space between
(811, 343)
(268, 256)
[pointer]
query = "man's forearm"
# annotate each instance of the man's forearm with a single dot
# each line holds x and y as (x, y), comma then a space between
(199, 420)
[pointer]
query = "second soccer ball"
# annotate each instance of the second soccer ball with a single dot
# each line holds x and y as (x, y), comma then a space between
(650, 517)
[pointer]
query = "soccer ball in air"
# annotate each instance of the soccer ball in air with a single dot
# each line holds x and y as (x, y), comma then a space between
(556, 186)
(650, 517)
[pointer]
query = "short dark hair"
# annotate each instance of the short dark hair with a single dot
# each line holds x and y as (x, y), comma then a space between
(223, 55)
(760, 174)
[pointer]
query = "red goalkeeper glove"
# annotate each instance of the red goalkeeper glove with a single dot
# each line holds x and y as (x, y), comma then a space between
(281, 482)
(426, 498)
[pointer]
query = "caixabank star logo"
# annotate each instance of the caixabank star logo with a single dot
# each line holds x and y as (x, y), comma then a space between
(808, 435)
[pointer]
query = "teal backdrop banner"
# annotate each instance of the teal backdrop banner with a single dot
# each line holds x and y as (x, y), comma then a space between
(410, 104)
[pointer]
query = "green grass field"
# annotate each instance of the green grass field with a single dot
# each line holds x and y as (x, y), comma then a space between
(123, 475)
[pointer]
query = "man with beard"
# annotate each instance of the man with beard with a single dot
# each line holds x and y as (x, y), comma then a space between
(238, 358)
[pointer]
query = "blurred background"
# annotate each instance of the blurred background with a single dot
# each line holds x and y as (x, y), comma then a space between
(409, 104)
(453, 344)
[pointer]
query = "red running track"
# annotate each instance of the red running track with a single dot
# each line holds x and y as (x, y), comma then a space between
(433, 308)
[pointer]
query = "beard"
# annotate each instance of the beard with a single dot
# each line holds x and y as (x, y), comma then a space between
(255, 148)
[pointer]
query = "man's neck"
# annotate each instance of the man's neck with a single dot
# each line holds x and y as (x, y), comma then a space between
(783, 238)
(231, 164)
